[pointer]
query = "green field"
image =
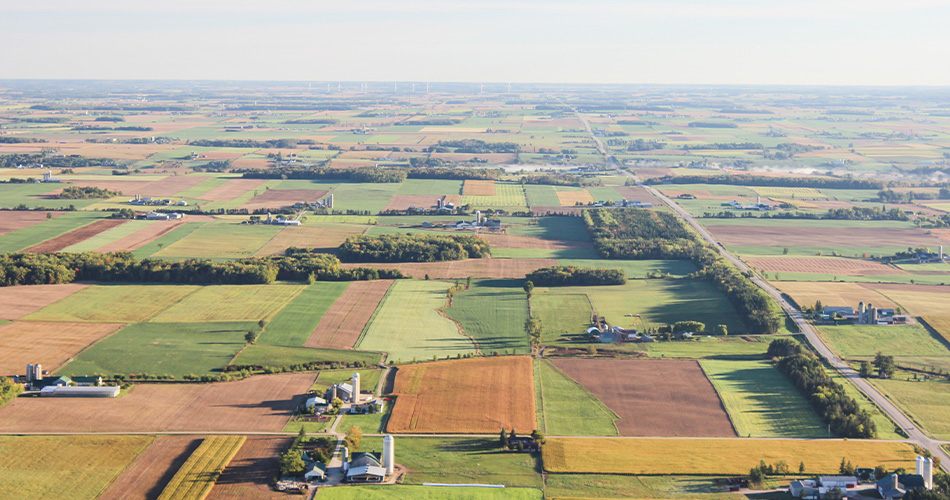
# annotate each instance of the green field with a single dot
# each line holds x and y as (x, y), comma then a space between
(294, 323)
(163, 349)
(430, 186)
(553, 228)
(408, 326)
(114, 303)
(369, 378)
(373, 423)
(541, 196)
(924, 401)
(277, 356)
(567, 408)
(911, 345)
(169, 238)
(81, 467)
(462, 461)
(761, 402)
(540, 253)
(24, 238)
(562, 315)
(427, 493)
(13, 195)
(108, 236)
(197, 475)
(494, 313)
(508, 196)
(220, 240)
(365, 196)
(230, 303)
(711, 347)
(616, 486)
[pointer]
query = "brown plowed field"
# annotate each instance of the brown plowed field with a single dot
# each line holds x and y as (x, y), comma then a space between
(75, 236)
(498, 240)
(570, 198)
(13, 220)
(822, 265)
(323, 237)
(404, 201)
(476, 268)
(478, 188)
(261, 403)
(232, 189)
(633, 193)
(342, 325)
(19, 301)
(152, 469)
(902, 287)
(49, 344)
(277, 198)
(653, 397)
(806, 293)
(250, 472)
(478, 395)
(816, 237)
(147, 234)
(171, 185)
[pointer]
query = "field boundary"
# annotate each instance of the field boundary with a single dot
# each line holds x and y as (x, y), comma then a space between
(580, 386)
(72, 358)
(933, 331)
(372, 318)
(722, 403)
(458, 324)
(207, 462)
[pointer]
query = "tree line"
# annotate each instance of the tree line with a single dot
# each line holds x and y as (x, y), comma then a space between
(71, 161)
(412, 248)
(759, 180)
(846, 213)
(579, 276)
(85, 193)
(475, 146)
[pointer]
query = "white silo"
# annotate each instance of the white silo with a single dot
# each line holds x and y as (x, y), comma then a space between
(37, 372)
(389, 455)
(330, 200)
(478, 217)
(345, 452)
(356, 388)
(928, 473)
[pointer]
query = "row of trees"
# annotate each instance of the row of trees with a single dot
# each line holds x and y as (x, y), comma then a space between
(579, 276)
(368, 174)
(475, 146)
(840, 411)
(891, 196)
(8, 390)
(69, 161)
(412, 248)
(249, 143)
(761, 180)
(85, 193)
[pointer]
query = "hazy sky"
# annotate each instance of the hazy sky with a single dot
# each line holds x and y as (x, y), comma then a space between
(868, 42)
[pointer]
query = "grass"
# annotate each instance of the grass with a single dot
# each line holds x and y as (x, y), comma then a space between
(541, 253)
(163, 348)
(278, 356)
(114, 303)
(429, 186)
(294, 323)
(38, 233)
(716, 456)
(81, 467)
(230, 303)
(464, 461)
(366, 196)
(372, 423)
(761, 402)
(169, 238)
(635, 269)
(926, 401)
(584, 486)
(562, 315)
(541, 196)
(911, 345)
(554, 228)
(886, 429)
(220, 240)
(369, 378)
(940, 324)
(508, 196)
(197, 475)
(408, 326)
(427, 493)
(494, 313)
(567, 408)
(710, 347)
(108, 236)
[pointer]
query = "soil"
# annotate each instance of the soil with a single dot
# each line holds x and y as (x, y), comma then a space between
(151, 471)
(75, 236)
(342, 325)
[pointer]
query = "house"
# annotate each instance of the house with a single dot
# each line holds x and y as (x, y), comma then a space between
(524, 443)
(366, 467)
(687, 196)
(492, 224)
(315, 471)
(806, 489)
(896, 486)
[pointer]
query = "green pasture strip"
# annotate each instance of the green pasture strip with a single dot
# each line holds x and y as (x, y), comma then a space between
(494, 313)
(221, 240)
(539, 253)
(294, 323)
(24, 238)
(114, 303)
(230, 303)
(169, 238)
(430, 186)
(280, 356)
(541, 196)
(634, 269)
(405, 492)
(108, 236)
(195, 192)
(569, 409)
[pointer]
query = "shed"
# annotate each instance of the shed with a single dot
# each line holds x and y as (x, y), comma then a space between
(315, 470)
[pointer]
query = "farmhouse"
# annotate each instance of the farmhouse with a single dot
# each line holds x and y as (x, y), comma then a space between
(319, 403)
(865, 315)
(315, 471)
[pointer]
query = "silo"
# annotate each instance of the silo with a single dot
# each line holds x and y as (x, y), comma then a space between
(389, 455)
(919, 465)
(29, 373)
(356, 388)
(928, 473)
(345, 452)
(37, 372)
(330, 200)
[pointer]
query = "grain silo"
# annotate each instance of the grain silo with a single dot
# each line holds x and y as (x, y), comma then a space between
(37, 372)
(389, 455)
(355, 397)
(29, 373)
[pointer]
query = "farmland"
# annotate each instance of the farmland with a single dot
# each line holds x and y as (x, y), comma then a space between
(197, 475)
(911, 345)
(834, 294)
(567, 408)
(292, 326)
(230, 302)
(340, 327)
(926, 402)
(220, 240)
(461, 396)
(113, 303)
(493, 312)
(25, 342)
(476, 268)
(23, 300)
(250, 472)
(465, 461)
(147, 476)
(427, 493)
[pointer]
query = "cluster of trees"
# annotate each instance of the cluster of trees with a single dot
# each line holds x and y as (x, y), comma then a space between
(713, 125)
(412, 248)
(6, 139)
(319, 448)
(891, 196)
(763, 470)
(248, 143)
(827, 397)
(85, 193)
(126, 128)
(367, 174)
(759, 180)
(561, 180)
(725, 146)
(753, 305)
(475, 146)
(70, 161)
(580, 276)
(8, 390)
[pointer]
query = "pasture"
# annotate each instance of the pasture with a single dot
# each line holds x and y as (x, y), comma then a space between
(461, 269)
(51, 344)
(325, 237)
(344, 321)
(493, 312)
(566, 408)
(464, 461)
(911, 345)
(427, 493)
(728, 457)
(834, 266)
(294, 323)
(505, 195)
(197, 475)
(48, 466)
(66, 240)
(147, 476)
(172, 234)
(687, 406)
(408, 325)
(119, 231)
(462, 396)
(35, 234)
(926, 402)
(113, 303)
(230, 303)
(278, 356)
(761, 402)
(563, 316)
(224, 239)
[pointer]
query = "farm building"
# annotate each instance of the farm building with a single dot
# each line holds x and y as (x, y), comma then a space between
(163, 216)
(865, 315)
(48, 177)
(349, 393)
(70, 391)
(842, 482)
(897, 485)
(315, 471)
(370, 467)
(320, 403)
(805, 489)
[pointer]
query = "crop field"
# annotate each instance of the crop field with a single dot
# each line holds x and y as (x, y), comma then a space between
(464, 461)
(147, 476)
(857, 235)
(917, 300)
(167, 238)
(197, 475)
(412, 187)
(508, 196)
(113, 303)
(75, 236)
(925, 401)
(14, 221)
(761, 402)
(50, 344)
(232, 189)
(293, 324)
(493, 312)
(636, 269)
(833, 294)
(220, 240)
(571, 198)
(794, 193)
(108, 236)
(343, 323)
(498, 241)
(727, 457)
(408, 325)
(400, 492)
(230, 303)
(22, 300)
(274, 355)
(478, 188)
(822, 265)
(262, 403)
(541, 196)
(562, 315)
(688, 405)
(911, 345)
(462, 396)
(554, 229)
(250, 472)
(279, 198)
(163, 348)
(49, 466)
(566, 408)
(152, 231)
(424, 201)
(476, 268)
(940, 324)
(593, 486)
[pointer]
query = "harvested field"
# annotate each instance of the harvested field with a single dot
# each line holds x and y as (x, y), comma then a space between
(124, 188)
(404, 201)
(635, 193)
(19, 301)
(143, 236)
(278, 198)
(822, 265)
(904, 287)
(147, 476)
(571, 198)
(171, 185)
(13, 220)
(232, 189)
(833, 294)
(49, 344)
(917, 301)
(478, 188)
(476, 268)
(812, 236)
(250, 472)
(686, 406)
(478, 395)
(515, 241)
(75, 236)
(258, 404)
(197, 475)
(321, 236)
(342, 325)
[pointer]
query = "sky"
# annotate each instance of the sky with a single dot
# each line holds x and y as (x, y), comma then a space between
(802, 42)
